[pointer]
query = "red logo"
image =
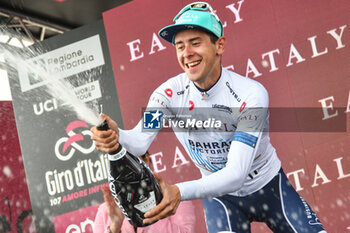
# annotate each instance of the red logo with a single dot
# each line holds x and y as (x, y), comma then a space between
(242, 106)
(191, 105)
(168, 92)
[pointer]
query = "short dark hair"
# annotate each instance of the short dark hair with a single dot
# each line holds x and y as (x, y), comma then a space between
(213, 38)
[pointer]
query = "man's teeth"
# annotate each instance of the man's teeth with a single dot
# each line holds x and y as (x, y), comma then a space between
(193, 63)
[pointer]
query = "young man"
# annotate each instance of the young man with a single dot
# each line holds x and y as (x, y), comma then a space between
(242, 180)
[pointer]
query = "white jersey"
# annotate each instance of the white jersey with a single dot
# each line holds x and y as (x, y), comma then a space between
(232, 150)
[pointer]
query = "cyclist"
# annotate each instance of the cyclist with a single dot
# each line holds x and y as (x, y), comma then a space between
(242, 179)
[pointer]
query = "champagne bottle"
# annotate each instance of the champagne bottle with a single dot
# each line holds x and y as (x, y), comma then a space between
(132, 184)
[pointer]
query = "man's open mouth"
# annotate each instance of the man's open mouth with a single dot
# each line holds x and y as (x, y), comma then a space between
(192, 64)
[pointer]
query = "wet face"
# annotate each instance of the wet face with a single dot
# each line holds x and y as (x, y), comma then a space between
(199, 57)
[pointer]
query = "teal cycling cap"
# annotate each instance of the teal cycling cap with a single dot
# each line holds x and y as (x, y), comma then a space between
(197, 15)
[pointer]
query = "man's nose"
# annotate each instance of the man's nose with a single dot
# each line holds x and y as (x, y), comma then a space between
(188, 51)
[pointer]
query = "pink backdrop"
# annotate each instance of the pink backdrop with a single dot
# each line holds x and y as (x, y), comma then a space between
(14, 195)
(298, 49)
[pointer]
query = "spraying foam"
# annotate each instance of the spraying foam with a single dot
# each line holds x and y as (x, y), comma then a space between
(57, 87)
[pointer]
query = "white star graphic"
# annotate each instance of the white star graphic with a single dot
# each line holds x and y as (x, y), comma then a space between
(156, 115)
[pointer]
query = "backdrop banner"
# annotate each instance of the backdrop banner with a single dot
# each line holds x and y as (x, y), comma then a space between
(15, 208)
(299, 50)
(64, 171)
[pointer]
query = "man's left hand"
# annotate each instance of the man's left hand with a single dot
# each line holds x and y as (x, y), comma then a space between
(168, 205)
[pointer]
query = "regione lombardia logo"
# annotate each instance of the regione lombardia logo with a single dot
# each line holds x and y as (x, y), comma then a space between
(152, 119)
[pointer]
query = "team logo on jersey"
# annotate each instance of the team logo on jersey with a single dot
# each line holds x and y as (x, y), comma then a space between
(183, 91)
(223, 108)
(168, 92)
(234, 94)
(152, 119)
(191, 105)
(242, 106)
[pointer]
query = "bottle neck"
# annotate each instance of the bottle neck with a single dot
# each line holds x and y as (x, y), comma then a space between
(118, 154)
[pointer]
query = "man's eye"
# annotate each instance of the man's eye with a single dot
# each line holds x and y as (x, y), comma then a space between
(195, 43)
(180, 47)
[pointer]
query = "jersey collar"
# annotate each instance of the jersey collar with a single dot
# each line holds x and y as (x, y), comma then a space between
(206, 94)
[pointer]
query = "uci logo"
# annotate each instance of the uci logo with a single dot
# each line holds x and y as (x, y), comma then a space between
(47, 106)
(63, 153)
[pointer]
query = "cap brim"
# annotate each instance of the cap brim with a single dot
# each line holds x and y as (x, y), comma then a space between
(168, 32)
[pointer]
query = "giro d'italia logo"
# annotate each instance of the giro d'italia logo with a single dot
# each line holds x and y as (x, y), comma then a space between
(152, 119)
(65, 147)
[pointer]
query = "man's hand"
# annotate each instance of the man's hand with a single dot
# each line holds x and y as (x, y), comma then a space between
(168, 205)
(106, 141)
(114, 212)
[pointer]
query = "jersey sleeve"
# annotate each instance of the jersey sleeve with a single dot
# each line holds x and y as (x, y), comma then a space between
(137, 140)
(242, 151)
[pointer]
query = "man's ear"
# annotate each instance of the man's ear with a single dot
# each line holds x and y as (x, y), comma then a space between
(221, 45)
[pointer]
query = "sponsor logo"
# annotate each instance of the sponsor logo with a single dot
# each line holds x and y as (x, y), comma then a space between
(78, 221)
(242, 106)
(222, 108)
(85, 93)
(217, 160)
(63, 62)
(183, 91)
(142, 198)
(147, 203)
(168, 92)
(115, 195)
(249, 117)
(164, 33)
(81, 227)
(62, 153)
(209, 155)
(46, 106)
(180, 92)
(191, 105)
(214, 147)
(88, 92)
(234, 94)
(159, 101)
(313, 219)
(152, 119)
